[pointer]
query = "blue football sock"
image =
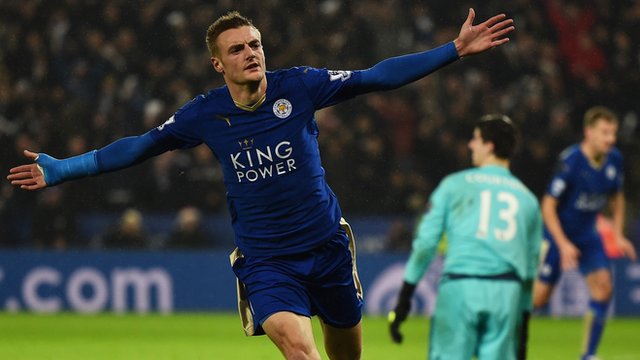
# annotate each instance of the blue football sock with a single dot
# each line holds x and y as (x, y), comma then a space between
(594, 325)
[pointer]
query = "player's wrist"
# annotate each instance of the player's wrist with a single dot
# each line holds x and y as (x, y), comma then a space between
(56, 171)
(404, 301)
(563, 243)
(459, 46)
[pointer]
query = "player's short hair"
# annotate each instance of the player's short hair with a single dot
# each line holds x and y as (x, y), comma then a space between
(596, 113)
(501, 131)
(232, 20)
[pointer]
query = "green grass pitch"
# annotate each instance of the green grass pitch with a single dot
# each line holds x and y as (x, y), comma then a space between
(218, 336)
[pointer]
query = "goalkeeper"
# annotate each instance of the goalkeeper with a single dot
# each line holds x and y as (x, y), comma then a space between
(494, 228)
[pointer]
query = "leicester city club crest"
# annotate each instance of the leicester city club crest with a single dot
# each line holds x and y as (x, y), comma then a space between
(282, 108)
(611, 172)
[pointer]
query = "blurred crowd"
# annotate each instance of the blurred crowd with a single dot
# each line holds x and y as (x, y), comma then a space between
(76, 75)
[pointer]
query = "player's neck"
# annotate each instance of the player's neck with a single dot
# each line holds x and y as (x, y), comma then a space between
(248, 95)
(594, 157)
(495, 161)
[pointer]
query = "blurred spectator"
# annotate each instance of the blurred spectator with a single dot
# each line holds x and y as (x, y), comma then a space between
(188, 231)
(52, 223)
(129, 233)
(17, 207)
(202, 180)
(573, 22)
(399, 236)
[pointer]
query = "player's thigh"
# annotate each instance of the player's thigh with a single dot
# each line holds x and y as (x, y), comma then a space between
(594, 265)
(497, 340)
(342, 343)
(549, 272)
(333, 290)
(592, 254)
(292, 334)
(453, 334)
(600, 284)
(549, 269)
(273, 284)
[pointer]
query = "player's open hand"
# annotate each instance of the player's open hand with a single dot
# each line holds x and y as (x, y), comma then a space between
(28, 177)
(474, 39)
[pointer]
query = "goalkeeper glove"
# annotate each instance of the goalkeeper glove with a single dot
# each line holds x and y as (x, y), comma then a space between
(399, 314)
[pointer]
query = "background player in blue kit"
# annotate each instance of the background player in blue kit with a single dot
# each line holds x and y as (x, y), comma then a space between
(295, 254)
(588, 178)
(494, 229)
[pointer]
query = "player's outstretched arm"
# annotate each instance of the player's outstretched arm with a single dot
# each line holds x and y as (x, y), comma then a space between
(397, 71)
(475, 39)
(49, 171)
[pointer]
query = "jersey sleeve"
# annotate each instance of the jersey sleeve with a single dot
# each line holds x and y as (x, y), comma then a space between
(619, 165)
(428, 234)
(329, 87)
(182, 129)
(560, 179)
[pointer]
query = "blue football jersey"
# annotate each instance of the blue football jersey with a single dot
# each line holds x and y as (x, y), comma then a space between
(583, 191)
(277, 195)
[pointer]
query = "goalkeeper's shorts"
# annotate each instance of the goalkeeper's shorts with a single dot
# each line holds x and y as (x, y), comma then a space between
(475, 317)
(321, 282)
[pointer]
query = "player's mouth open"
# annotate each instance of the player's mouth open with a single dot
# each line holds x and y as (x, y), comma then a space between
(252, 66)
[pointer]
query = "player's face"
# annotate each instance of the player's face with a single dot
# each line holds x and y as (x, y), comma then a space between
(240, 57)
(602, 136)
(480, 150)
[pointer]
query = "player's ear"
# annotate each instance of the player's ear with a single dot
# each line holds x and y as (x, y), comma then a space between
(217, 65)
(492, 146)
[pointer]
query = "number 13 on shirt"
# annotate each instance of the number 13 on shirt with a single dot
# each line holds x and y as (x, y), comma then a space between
(503, 225)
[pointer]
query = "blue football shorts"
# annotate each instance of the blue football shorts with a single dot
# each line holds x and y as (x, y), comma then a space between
(592, 256)
(320, 282)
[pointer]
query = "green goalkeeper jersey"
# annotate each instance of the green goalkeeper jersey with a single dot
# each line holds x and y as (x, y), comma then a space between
(492, 223)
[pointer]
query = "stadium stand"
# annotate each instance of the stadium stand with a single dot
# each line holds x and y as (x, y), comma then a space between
(75, 75)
